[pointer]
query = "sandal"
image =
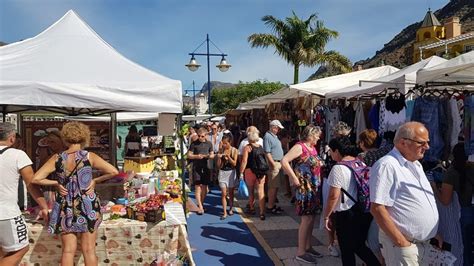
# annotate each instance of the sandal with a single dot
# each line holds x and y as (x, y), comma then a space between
(262, 217)
(275, 210)
(231, 212)
(250, 211)
(223, 217)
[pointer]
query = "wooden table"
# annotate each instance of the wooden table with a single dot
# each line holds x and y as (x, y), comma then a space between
(119, 242)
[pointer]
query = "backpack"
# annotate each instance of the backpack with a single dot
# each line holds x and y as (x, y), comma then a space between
(360, 172)
(258, 163)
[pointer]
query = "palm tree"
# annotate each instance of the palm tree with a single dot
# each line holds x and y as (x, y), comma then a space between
(301, 43)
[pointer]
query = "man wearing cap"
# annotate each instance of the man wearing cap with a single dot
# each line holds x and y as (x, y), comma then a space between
(13, 163)
(274, 152)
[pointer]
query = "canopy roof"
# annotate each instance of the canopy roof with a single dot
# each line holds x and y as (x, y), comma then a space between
(325, 85)
(275, 97)
(68, 68)
(404, 79)
(458, 69)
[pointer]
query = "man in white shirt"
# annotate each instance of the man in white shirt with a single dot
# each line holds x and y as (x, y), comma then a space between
(403, 203)
(13, 229)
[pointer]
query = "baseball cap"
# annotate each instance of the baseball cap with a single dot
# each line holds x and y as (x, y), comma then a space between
(276, 123)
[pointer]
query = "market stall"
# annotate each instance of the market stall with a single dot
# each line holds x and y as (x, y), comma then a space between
(325, 85)
(404, 80)
(72, 71)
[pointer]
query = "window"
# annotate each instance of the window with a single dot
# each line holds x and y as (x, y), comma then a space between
(469, 48)
(426, 35)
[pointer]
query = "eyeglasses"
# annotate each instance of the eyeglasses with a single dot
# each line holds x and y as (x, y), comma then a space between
(202, 136)
(421, 143)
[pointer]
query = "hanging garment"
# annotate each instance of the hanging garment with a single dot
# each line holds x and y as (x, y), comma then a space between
(429, 111)
(469, 124)
(374, 116)
(409, 104)
(359, 123)
(382, 118)
(348, 114)
(455, 119)
(395, 113)
(332, 117)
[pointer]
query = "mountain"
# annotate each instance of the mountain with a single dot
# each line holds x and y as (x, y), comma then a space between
(217, 85)
(398, 52)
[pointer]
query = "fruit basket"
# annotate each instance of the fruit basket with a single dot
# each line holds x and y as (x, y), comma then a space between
(151, 210)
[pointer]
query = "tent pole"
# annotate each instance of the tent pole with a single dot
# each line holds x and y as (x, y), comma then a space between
(19, 120)
(183, 167)
(113, 139)
(4, 113)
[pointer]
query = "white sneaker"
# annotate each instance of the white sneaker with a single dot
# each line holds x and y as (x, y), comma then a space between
(333, 251)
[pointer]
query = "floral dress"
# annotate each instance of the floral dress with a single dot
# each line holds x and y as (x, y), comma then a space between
(77, 212)
(307, 168)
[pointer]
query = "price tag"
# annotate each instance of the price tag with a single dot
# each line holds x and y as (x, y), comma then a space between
(174, 213)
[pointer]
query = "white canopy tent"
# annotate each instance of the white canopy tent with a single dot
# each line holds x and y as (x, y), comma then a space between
(275, 97)
(404, 79)
(69, 69)
(325, 85)
(458, 69)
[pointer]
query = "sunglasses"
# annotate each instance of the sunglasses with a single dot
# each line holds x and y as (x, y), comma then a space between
(202, 136)
(421, 143)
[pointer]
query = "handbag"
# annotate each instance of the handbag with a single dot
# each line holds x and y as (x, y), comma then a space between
(243, 190)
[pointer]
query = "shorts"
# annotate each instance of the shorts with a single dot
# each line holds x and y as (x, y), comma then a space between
(227, 179)
(251, 179)
(14, 234)
(275, 176)
(202, 176)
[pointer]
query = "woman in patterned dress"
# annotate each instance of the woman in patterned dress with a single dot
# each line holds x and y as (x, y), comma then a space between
(305, 176)
(76, 212)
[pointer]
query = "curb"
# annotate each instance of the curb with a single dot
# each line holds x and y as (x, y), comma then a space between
(276, 260)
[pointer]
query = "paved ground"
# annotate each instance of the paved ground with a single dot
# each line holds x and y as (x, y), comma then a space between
(278, 235)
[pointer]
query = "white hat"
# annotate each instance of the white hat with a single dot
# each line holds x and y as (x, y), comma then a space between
(276, 123)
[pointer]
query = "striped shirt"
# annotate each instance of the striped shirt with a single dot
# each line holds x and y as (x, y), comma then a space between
(403, 188)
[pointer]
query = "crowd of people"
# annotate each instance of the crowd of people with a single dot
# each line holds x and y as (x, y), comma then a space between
(376, 199)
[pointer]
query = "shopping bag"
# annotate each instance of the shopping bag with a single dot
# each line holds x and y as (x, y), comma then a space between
(243, 190)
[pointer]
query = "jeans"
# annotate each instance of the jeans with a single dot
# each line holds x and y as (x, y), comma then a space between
(467, 229)
(352, 227)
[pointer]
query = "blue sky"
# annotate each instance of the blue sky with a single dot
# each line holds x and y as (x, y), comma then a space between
(160, 34)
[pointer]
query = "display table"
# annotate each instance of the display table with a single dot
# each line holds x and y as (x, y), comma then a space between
(119, 242)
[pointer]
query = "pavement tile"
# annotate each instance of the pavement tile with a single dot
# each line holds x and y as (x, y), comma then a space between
(280, 232)
(283, 238)
(285, 253)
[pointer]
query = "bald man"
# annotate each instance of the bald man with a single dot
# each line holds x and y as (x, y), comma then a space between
(403, 203)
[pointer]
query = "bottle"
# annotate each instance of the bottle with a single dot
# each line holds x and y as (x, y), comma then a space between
(151, 186)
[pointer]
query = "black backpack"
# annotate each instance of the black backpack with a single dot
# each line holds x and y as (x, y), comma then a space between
(258, 161)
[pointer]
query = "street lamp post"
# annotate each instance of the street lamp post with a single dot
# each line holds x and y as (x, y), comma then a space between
(193, 66)
(194, 98)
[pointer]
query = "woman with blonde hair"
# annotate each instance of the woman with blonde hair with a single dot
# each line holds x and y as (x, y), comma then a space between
(306, 177)
(76, 212)
(251, 179)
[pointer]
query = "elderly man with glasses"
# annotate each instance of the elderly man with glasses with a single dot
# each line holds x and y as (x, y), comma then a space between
(402, 199)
